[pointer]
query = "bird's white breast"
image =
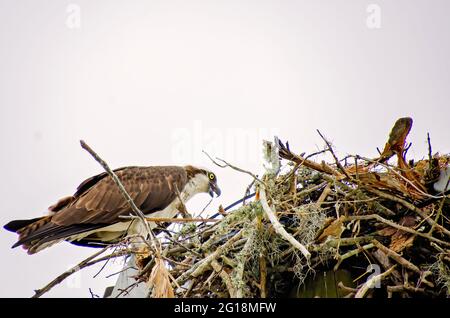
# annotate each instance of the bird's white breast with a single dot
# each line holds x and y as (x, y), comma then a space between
(442, 184)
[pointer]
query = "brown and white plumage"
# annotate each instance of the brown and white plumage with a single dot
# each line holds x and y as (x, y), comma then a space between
(92, 215)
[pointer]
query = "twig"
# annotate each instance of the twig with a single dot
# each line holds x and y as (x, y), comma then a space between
(402, 288)
(399, 259)
(430, 151)
(351, 253)
(128, 289)
(298, 165)
(323, 196)
(213, 161)
(285, 153)
(184, 247)
(346, 288)
(85, 263)
(411, 207)
(263, 274)
(338, 164)
(438, 215)
(247, 191)
(239, 270)
(201, 266)
(306, 191)
(191, 287)
(92, 294)
(121, 271)
(119, 184)
(225, 277)
(104, 265)
(204, 264)
(226, 164)
(390, 168)
(262, 259)
(363, 196)
(279, 228)
(205, 207)
(394, 225)
(171, 220)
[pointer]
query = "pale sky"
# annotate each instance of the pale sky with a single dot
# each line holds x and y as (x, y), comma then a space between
(155, 82)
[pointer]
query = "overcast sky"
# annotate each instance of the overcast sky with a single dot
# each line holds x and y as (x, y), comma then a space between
(155, 82)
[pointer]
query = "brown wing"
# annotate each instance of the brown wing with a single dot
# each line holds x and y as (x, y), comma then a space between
(151, 188)
(98, 201)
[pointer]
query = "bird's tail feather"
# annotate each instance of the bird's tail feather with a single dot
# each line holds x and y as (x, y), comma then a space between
(26, 228)
(16, 225)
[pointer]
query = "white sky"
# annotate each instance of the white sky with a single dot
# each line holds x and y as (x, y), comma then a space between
(154, 82)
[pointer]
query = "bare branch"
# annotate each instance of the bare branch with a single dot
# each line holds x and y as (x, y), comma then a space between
(119, 184)
(85, 263)
(226, 164)
(279, 228)
(330, 148)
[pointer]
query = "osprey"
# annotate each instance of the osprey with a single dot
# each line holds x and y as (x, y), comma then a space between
(92, 216)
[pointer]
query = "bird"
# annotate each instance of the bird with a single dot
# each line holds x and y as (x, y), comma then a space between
(93, 215)
(397, 139)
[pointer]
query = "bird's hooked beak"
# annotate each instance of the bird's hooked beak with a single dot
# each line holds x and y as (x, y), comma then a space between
(214, 188)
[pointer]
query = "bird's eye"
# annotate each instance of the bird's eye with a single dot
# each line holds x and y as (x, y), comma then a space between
(211, 176)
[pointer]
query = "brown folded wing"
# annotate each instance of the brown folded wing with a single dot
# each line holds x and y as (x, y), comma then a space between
(98, 201)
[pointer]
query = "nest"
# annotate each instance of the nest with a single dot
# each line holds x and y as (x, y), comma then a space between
(369, 228)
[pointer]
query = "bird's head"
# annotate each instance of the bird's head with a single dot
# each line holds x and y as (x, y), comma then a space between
(204, 180)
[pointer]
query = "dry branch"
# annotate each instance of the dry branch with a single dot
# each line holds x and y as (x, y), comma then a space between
(83, 264)
(279, 228)
(119, 184)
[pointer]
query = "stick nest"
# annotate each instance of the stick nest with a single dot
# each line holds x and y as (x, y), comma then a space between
(372, 228)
